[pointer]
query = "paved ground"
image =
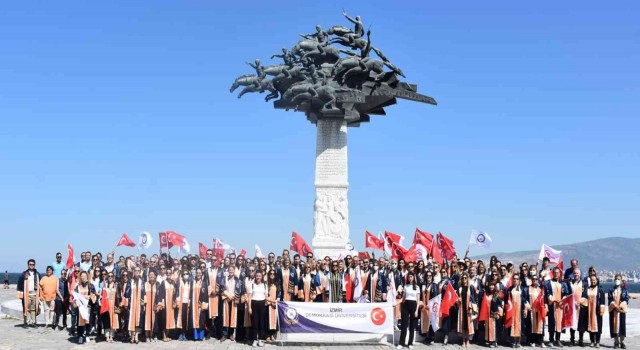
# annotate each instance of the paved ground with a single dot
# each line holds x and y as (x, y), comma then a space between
(13, 336)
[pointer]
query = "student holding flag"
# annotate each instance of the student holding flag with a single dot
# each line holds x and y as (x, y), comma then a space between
(108, 314)
(555, 290)
(84, 298)
(429, 291)
(535, 311)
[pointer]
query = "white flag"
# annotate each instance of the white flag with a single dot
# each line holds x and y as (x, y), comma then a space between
(83, 305)
(481, 239)
(555, 256)
(145, 240)
(259, 252)
(422, 252)
(357, 284)
(186, 248)
(434, 312)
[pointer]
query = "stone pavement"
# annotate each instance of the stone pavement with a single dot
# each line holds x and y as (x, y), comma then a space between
(14, 336)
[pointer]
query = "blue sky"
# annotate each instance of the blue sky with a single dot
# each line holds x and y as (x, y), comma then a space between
(116, 117)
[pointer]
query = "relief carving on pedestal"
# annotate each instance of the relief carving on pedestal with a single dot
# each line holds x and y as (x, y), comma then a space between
(330, 215)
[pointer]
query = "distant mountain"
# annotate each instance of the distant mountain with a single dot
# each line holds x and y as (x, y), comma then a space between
(611, 254)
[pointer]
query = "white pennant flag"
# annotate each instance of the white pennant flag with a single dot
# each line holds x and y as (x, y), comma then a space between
(554, 255)
(259, 252)
(481, 239)
(434, 312)
(83, 305)
(145, 240)
(186, 248)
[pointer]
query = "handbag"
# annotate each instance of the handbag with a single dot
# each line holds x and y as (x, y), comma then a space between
(117, 310)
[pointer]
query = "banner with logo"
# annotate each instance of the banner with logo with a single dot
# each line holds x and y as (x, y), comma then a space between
(297, 317)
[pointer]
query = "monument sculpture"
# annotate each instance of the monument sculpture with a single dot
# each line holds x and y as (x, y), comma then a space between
(331, 77)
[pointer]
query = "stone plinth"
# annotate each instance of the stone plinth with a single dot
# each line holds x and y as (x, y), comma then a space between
(331, 212)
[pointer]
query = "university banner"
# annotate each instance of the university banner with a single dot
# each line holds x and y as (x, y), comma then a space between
(297, 317)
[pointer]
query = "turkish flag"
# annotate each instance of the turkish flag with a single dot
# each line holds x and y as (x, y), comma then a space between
(70, 257)
(449, 299)
(448, 251)
(373, 242)
(538, 304)
(398, 251)
(411, 254)
(164, 241)
(299, 245)
(242, 252)
(423, 237)
(175, 239)
(568, 307)
(509, 283)
(484, 310)
(104, 304)
(348, 287)
(508, 314)
(435, 253)
(364, 255)
(125, 240)
(202, 250)
(392, 237)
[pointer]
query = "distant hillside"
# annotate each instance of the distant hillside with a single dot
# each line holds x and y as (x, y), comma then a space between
(611, 254)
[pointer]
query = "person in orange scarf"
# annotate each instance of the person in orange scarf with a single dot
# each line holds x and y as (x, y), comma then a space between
(29, 291)
(88, 291)
(150, 307)
(199, 305)
(618, 300)
(272, 304)
(167, 306)
(592, 300)
(555, 290)
(135, 295)
(466, 307)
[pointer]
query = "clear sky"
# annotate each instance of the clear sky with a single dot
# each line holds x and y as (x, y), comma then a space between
(116, 117)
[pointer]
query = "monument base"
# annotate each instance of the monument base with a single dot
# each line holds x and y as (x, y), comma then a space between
(332, 252)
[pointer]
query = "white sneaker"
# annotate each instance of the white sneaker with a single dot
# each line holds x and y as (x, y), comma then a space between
(399, 346)
(260, 342)
(410, 346)
(255, 343)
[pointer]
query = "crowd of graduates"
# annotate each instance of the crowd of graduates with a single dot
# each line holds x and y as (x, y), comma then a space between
(231, 297)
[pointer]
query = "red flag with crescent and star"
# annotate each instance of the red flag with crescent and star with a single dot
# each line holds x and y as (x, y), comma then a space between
(202, 250)
(70, 257)
(125, 240)
(104, 303)
(398, 251)
(372, 241)
(446, 244)
(164, 241)
(484, 310)
(424, 238)
(508, 314)
(435, 253)
(299, 245)
(538, 304)
(449, 299)
(568, 306)
(176, 239)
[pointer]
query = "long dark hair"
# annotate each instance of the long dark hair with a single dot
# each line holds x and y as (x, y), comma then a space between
(413, 284)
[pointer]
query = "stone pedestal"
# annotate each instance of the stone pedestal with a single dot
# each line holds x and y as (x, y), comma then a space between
(331, 212)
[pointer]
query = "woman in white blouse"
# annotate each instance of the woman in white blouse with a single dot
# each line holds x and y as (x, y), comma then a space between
(257, 293)
(409, 318)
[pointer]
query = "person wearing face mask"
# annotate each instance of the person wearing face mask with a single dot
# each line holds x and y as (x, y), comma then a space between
(29, 291)
(87, 290)
(534, 315)
(555, 290)
(184, 301)
(376, 284)
(396, 284)
(593, 302)
(430, 290)
(618, 298)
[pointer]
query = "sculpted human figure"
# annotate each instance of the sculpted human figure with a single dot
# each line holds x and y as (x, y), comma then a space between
(319, 35)
(359, 27)
(287, 56)
(258, 67)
